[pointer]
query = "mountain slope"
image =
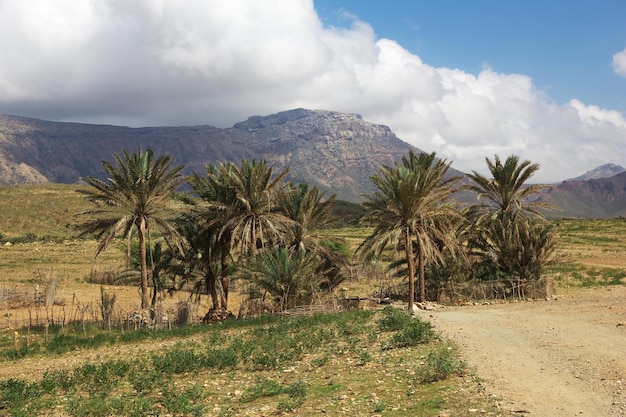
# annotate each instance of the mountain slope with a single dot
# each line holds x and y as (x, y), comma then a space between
(594, 198)
(335, 151)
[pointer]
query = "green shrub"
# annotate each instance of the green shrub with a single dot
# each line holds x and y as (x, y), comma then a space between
(262, 388)
(92, 406)
(393, 319)
(221, 358)
(145, 380)
(441, 363)
(177, 361)
(296, 396)
(57, 380)
(415, 332)
(183, 402)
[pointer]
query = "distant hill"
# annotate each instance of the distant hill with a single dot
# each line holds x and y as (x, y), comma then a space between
(603, 171)
(592, 198)
(337, 152)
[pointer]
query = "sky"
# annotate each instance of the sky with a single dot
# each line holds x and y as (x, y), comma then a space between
(543, 80)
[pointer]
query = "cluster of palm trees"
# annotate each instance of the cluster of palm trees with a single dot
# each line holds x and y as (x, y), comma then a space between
(248, 220)
(413, 211)
(244, 218)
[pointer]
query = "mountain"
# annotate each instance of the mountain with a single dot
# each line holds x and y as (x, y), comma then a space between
(335, 151)
(603, 171)
(592, 198)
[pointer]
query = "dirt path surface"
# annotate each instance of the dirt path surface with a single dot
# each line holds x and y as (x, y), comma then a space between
(559, 358)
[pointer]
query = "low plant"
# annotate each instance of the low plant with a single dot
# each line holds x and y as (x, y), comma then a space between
(393, 319)
(262, 388)
(296, 395)
(183, 402)
(441, 363)
(415, 332)
(177, 360)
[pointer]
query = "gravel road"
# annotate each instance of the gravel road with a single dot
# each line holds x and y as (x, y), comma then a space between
(560, 358)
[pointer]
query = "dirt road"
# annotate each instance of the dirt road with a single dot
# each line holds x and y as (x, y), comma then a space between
(559, 358)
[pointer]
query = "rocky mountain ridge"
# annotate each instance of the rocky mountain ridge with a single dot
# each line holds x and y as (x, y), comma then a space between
(338, 152)
(335, 151)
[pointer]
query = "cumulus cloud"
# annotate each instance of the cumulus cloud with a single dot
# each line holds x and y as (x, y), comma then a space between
(217, 62)
(619, 63)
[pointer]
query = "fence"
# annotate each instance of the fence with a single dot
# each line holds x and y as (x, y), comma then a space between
(26, 305)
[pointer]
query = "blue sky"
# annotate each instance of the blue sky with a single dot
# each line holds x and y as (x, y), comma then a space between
(565, 46)
(467, 79)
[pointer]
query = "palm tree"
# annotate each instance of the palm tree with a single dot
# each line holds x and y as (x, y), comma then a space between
(310, 212)
(137, 196)
(219, 205)
(288, 275)
(505, 228)
(506, 192)
(161, 261)
(411, 205)
(255, 216)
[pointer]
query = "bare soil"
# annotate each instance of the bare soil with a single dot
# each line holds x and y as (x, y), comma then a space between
(563, 357)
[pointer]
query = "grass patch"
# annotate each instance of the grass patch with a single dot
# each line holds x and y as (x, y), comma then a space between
(578, 275)
(341, 363)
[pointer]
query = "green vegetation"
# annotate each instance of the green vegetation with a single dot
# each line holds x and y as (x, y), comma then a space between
(135, 199)
(412, 211)
(334, 362)
(277, 240)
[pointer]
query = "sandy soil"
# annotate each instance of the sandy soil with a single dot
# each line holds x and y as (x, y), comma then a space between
(564, 357)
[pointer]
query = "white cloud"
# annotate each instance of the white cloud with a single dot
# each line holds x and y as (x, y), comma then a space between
(150, 62)
(619, 63)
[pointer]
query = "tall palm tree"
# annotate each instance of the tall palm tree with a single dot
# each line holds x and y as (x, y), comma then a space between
(136, 197)
(411, 205)
(310, 212)
(504, 227)
(256, 216)
(507, 193)
(220, 203)
(240, 208)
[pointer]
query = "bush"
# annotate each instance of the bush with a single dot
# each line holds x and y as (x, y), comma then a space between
(393, 319)
(262, 388)
(414, 333)
(296, 395)
(441, 363)
(182, 402)
(221, 358)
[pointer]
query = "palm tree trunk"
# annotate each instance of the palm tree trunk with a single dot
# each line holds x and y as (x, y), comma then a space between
(225, 279)
(420, 254)
(155, 288)
(141, 234)
(209, 279)
(408, 245)
(253, 250)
